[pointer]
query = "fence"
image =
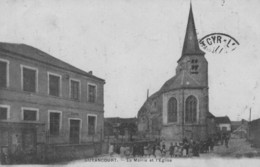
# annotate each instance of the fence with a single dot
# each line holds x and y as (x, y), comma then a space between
(18, 142)
(64, 146)
(29, 143)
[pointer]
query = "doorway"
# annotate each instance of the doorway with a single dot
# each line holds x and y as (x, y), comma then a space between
(74, 131)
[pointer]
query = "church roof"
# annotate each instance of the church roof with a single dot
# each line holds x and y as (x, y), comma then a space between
(29, 52)
(191, 45)
(183, 79)
(210, 115)
(222, 120)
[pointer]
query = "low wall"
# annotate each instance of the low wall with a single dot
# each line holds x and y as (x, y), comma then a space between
(64, 153)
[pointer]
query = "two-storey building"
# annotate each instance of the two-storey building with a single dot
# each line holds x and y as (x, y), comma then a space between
(45, 100)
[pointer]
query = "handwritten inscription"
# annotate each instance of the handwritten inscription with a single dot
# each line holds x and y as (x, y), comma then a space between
(218, 43)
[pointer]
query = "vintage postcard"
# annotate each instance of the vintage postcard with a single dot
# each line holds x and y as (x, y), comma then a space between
(130, 82)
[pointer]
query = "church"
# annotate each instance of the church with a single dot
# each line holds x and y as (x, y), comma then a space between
(180, 108)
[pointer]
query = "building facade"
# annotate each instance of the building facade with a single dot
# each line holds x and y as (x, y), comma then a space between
(180, 108)
(45, 100)
(223, 124)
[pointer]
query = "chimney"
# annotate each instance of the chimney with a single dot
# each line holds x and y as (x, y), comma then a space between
(90, 72)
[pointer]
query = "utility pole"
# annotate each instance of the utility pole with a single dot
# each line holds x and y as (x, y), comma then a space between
(183, 113)
(250, 114)
(249, 122)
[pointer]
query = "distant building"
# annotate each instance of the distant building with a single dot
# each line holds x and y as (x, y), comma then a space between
(254, 132)
(116, 126)
(223, 124)
(240, 128)
(181, 107)
(45, 100)
(235, 125)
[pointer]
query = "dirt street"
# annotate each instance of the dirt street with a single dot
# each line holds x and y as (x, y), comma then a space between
(237, 148)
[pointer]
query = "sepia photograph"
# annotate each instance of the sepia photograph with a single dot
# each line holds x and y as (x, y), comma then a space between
(130, 82)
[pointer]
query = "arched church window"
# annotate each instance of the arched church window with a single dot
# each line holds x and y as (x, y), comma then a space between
(191, 110)
(172, 110)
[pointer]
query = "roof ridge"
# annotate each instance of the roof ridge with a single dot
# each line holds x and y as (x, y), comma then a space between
(31, 52)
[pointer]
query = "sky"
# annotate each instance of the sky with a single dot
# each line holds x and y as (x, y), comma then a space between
(135, 44)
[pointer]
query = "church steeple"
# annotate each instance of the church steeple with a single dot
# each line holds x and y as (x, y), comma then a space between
(191, 45)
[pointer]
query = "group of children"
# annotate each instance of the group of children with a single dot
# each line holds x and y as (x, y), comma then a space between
(184, 149)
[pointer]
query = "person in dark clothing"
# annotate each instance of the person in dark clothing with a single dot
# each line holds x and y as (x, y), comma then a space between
(117, 149)
(154, 148)
(226, 141)
(212, 144)
(185, 144)
(222, 137)
(171, 149)
(134, 150)
(185, 140)
(196, 149)
(186, 147)
(142, 150)
(208, 144)
(163, 149)
(163, 146)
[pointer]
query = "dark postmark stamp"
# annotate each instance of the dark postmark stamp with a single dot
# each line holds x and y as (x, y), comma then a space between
(218, 43)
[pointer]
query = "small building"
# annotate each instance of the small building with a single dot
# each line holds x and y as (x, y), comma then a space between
(240, 128)
(223, 124)
(45, 100)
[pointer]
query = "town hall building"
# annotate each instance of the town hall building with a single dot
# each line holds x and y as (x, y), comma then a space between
(46, 101)
(181, 107)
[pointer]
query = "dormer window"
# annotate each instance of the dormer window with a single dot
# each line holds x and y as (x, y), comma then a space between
(194, 66)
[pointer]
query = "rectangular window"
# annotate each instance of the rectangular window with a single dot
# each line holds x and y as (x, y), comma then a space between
(91, 93)
(54, 85)
(3, 74)
(29, 79)
(74, 89)
(29, 114)
(54, 123)
(91, 125)
(3, 113)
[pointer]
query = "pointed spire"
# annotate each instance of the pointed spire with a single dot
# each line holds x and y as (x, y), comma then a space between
(191, 45)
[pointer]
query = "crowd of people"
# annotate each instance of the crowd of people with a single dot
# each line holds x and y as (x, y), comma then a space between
(185, 148)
